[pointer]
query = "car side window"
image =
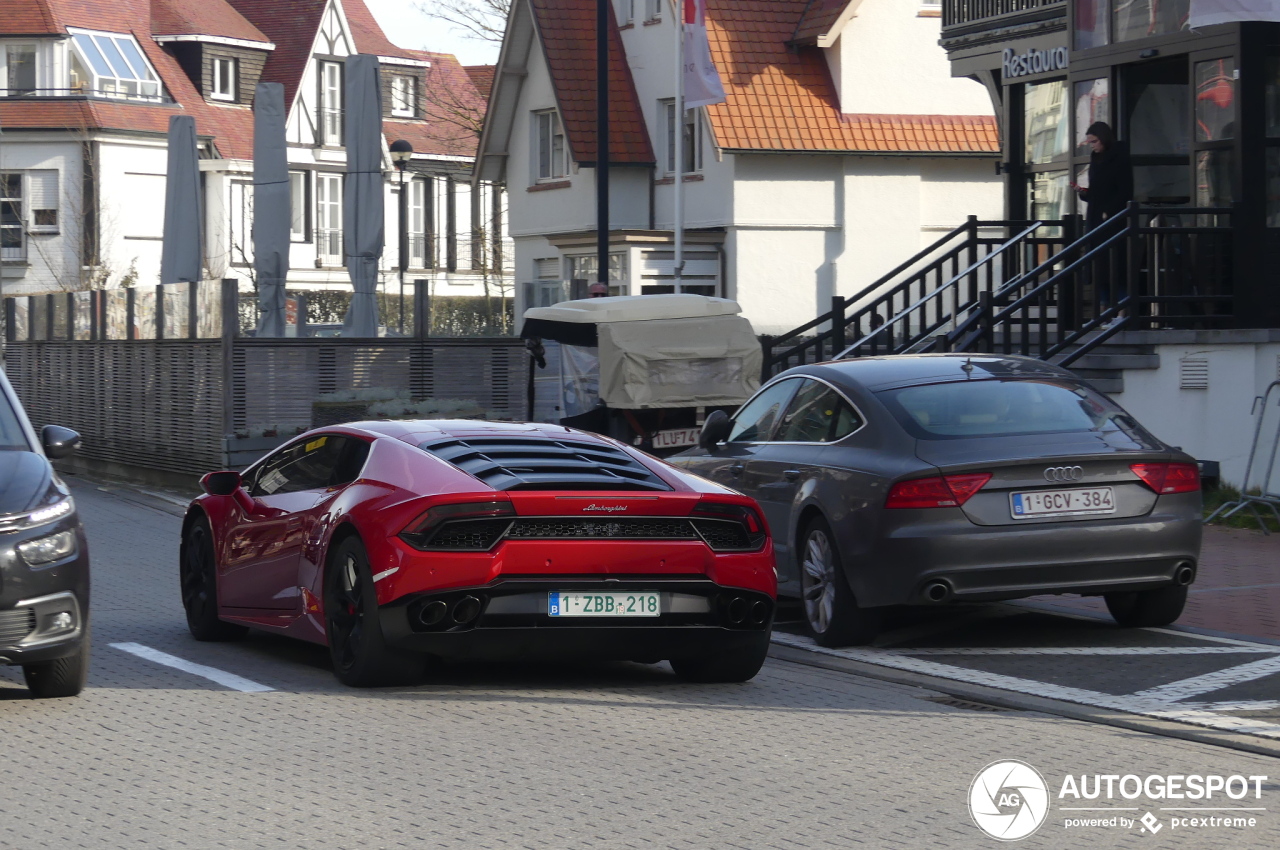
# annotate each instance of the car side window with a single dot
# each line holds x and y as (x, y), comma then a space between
(754, 422)
(351, 464)
(817, 414)
(308, 464)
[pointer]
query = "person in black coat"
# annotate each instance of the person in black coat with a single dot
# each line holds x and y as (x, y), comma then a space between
(1109, 191)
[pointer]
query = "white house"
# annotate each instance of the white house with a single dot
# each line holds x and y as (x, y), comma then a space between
(844, 147)
(86, 91)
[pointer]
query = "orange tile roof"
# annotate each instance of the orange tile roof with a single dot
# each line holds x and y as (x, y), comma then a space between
(568, 32)
(481, 77)
(453, 110)
(817, 19)
(783, 99)
(201, 17)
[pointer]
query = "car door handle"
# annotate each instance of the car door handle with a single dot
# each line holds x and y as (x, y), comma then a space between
(791, 474)
(736, 469)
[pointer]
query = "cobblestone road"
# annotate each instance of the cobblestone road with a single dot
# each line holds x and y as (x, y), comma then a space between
(519, 756)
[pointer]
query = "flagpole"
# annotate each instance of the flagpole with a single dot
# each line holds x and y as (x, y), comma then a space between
(678, 166)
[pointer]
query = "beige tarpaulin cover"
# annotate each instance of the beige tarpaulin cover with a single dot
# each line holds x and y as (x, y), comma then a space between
(710, 361)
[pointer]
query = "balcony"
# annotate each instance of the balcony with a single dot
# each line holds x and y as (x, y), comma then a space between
(968, 22)
(957, 12)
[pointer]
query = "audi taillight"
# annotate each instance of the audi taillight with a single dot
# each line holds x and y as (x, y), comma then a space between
(729, 527)
(939, 491)
(460, 527)
(1166, 478)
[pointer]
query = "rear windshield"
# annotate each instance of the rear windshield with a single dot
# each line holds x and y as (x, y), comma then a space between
(1002, 409)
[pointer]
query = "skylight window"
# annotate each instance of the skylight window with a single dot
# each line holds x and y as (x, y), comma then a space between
(116, 65)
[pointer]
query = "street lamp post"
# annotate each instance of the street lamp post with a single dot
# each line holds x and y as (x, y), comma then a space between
(401, 152)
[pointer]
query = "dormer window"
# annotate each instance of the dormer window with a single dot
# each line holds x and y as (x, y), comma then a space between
(114, 65)
(224, 79)
(17, 69)
(404, 96)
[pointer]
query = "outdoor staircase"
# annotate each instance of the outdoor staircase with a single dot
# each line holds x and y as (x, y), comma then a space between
(1032, 288)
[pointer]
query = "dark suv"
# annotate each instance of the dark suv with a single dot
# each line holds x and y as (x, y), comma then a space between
(44, 561)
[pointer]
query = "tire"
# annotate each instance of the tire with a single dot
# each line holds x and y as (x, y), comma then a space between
(1147, 608)
(61, 677)
(361, 658)
(831, 612)
(197, 574)
(740, 665)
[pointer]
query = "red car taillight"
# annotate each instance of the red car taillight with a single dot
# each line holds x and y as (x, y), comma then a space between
(940, 491)
(460, 527)
(729, 527)
(1166, 478)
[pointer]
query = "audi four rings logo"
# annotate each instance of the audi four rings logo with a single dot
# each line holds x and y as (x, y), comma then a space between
(1064, 473)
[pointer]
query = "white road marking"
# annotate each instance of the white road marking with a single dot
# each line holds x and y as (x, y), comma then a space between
(1215, 681)
(1156, 702)
(1213, 638)
(1094, 650)
(1234, 705)
(213, 674)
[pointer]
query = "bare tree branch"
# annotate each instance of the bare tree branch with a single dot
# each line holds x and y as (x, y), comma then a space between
(482, 20)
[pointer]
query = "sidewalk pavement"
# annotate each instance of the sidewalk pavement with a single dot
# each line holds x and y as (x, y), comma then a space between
(1236, 591)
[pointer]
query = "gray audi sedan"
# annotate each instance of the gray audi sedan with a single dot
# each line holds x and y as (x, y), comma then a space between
(941, 478)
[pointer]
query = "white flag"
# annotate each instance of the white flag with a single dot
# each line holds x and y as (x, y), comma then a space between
(1206, 13)
(702, 86)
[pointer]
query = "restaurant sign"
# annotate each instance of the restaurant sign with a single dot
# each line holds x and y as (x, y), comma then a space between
(1034, 62)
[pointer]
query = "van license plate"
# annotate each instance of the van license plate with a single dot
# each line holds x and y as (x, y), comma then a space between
(1051, 503)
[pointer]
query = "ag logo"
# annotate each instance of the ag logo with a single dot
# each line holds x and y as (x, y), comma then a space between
(1009, 800)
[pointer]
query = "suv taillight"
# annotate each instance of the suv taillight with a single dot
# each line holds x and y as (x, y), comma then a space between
(729, 527)
(1166, 478)
(460, 527)
(940, 491)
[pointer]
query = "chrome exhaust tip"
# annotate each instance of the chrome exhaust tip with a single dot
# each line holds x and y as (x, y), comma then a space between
(937, 591)
(738, 610)
(759, 613)
(465, 610)
(1184, 575)
(433, 613)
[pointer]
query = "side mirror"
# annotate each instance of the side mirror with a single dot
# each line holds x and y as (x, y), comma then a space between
(58, 441)
(220, 483)
(715, 429)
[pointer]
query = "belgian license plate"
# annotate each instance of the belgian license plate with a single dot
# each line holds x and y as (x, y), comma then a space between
(1074, 502)
(611, 604)
(676, 439)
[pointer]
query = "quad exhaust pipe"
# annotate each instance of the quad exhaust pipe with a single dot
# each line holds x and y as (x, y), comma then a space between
(438, 612)
(741, 611)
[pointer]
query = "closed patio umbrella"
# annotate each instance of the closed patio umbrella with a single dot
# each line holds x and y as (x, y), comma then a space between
(182, 255)
(362, 215)
(271, 206)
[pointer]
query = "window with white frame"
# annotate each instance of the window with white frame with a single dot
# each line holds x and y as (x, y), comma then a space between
(551, 157)
(224, 79)
(28, 205)
(299, 231)
(241, 223)
(653, 10)
(329, 218)
(330, 122)
(626, 12)
(583, 267)
(18, 75)
(931, 7)
(419, 208)
(404, 96)
(115, 65)
(691, 153)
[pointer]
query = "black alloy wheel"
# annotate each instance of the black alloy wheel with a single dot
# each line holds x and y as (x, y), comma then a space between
(1147, 608)
(360, 655)
(197, 573)
(831, 612)
(61, 677)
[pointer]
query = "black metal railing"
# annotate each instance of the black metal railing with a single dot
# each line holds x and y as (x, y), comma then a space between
(927, 294)
(1145, 268)
(967, 11)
